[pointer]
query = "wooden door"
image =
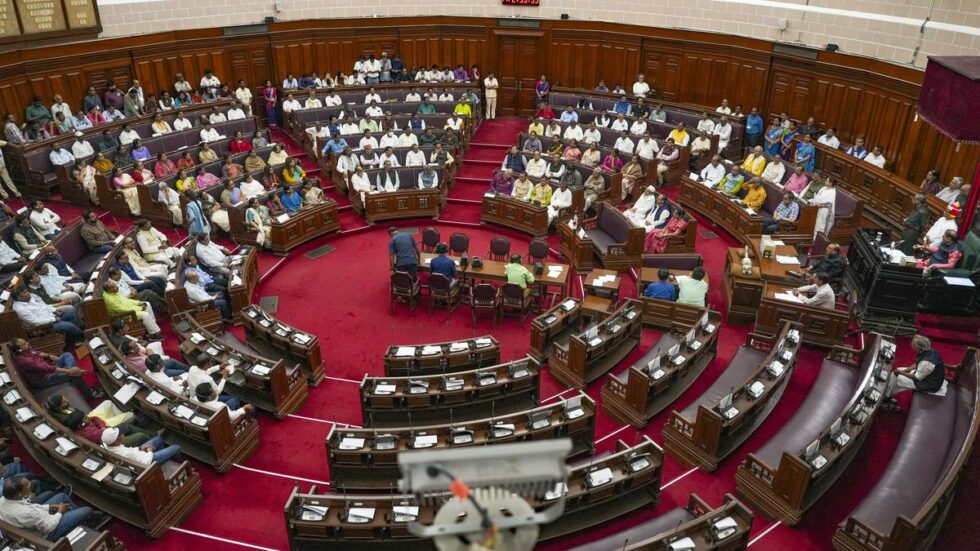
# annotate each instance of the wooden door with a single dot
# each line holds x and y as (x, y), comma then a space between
(518, 70)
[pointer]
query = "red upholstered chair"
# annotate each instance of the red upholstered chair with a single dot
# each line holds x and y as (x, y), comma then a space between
(430, 238)
(499, 249)
(459, 244)
(484, 299)
(537, 251)
(443, 293)
(513, 299)
(405, 289)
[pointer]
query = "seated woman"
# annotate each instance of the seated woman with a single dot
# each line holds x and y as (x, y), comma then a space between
(186, 161)
(126, 185)
(205, 179)
(84, 174)
(944, 256)
(657, 240)
(572, 152)
(164, 167)
(219, 216)
(231, 169)
(256, 222)
(292, 173)
(91, 425)
(312, 195)
(632, 174)
(170, 199)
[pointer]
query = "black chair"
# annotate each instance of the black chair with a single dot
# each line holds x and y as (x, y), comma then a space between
(405, 289)
(513, 298)
(499, 249)
(537, 251)
(817, 250)
(459, 244)
(430, 238)
(443, 293)
(484, 299)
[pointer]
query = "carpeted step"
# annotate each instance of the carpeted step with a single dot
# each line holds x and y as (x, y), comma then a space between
(481, 153)
(470, 191)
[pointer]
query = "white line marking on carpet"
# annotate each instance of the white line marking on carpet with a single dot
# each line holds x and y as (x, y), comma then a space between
(678, 478)
(270, 473)
(764, 533)
(322, 421)
(613, 433)
(216, 538)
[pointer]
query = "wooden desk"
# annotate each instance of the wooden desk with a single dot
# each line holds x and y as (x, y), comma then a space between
(407, 360)
(493, 270)
(274, 338)
(609, 289)
(769, 268)
(821, 326)
(579, 362)
(303, 225)
(649, 275)
(596, 307)
(19, 539)
(242, 281)
(742, 292)
(888, 295)
(554, 326)
(515, 214)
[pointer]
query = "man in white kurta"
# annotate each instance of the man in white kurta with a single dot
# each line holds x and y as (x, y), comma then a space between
(642, 207)
(561, 198)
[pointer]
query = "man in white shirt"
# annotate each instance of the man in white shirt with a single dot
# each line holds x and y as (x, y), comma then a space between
(875, 157)
(413, 96)
(640, 87)
(372, 97)
(348, 128)
(639, 126)
(592, 135)
(407, 139)
(829, 139)
(647, 147)
(724, 109)
(642, 207)
(44, 220)
(59, 106)
(454, 122)
(333, 99)
(491, 85)
(573, 132)
(81, 148)
(212, 256)
(60, 156)
(312, 102)
(724, 132)
(387, 179)
(934, 237)
(128, 135)
(713, 172)
(182, 122)
(152, 451)
(367, 140)
(706, 125)
(624, 144)
(181, 85)
(209, 134)
(291, 104)
(949, 193)
(209, 80)
(561, 198)
(359, 180)
(823, 294)
(207, 397)
(415, 157)
(113, 114)
(620, 124)
(52, 519)
(775, 170)
(372, 70)
(197, 294)
(536, 166)
(446, 96)
(428, 178)
(389, 139)
(244, 96)
(217, 116)
(236, 113)
(374, 111)
(251, 187)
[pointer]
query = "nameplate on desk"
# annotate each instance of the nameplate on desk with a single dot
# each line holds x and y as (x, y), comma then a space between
(431, 350)
(282, 218)
(197, 338)
(360, 515)
(351, 443)
(458, 347)
(383, 389)
(405, 351)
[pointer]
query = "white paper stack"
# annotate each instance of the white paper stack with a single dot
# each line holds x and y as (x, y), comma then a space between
(787, 259)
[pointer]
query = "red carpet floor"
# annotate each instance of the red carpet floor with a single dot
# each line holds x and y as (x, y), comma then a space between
(343, 298)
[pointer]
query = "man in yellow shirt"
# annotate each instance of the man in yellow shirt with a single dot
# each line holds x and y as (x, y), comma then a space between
(517, 274)
(680, 135)
(756, 195)
(535, 126)
(755, 162)
(463, 109)
(541, 193)
(117, 304)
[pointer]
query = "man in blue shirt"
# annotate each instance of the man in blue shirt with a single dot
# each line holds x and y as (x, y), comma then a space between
(754, 126)
(336, 145)
(442, 264)
(622, 105)
(404, 252)
(661, 289)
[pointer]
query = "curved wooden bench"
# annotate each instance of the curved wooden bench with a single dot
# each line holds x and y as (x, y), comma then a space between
(907, 507)
(555, 326)
(88, 539)
(784, 480)
(367, 458)
(409, 360)
(462, 396)
(578, 362)
(704, 433)
(271, 337)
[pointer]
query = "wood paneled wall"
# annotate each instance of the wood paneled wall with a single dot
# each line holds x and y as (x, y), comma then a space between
(858, 96)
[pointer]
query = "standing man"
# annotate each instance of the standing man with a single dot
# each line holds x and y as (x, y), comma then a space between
(491, 85)
(754, 127)
(7, 181)
(404, 252)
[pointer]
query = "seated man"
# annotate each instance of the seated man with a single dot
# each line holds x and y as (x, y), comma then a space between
(44, 220)
(154, 450)
(823, 294)
(197, 294)
(205, 373)
(946, 222)
(10, 260)
(661, 289)
(832, 264)
(945, 256)
(206, 395)
(136, 278)
(94, 233)
(642, 207)
(926, 375)
(561, 199)
(92, 424)
(444, 265)
(786, 213)
(518, 274)
(116, 303)
(212, 281)
(60, 295)
(659, 216)
(146, 294)
(34, 313)
(713, 172)
(731, 184)
(26, 238)
(502, 182)
(42, 370)
(155, 371)
(211, 255)
(755, 162)
(756, 194)
(775, 170)
(52, 519)
(692, 289)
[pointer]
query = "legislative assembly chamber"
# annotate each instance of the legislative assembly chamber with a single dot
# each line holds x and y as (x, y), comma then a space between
(496, 274)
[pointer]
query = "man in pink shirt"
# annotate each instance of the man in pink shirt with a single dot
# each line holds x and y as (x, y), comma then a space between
(797, 181)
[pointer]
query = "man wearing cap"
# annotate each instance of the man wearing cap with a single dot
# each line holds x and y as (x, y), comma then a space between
(934, 237)
(152, 451)
(442, 264)
(81, 148)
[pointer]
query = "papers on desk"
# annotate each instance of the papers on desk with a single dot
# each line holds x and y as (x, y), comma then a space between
(235, 281)
(212, 351)
(282, 218)
(600, 477)
(43, 431)
(490, 194)
(405, 513)
(568, 305)
(959, 281)
(595, 341)
(261, 370)
(11, 397)
(301, 338)
(102, 473)
(458, 346)
(155, 398)
(679, 359)
(787, 259)
(384, 388)
(405, 351)
(126, 393)
(24, 414)
(481, 343)
(555, 270)
(896, 256)
(750, 211)
(313, 512)
(559, 489)
(65, 446)
(430, 350)
(776, 242)
(183, 411)
(360, 515)
(350, 443)
(5, 378)
(425, 441)
(199, 420)
(95, 343)
(602, 280)
(788, 297)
